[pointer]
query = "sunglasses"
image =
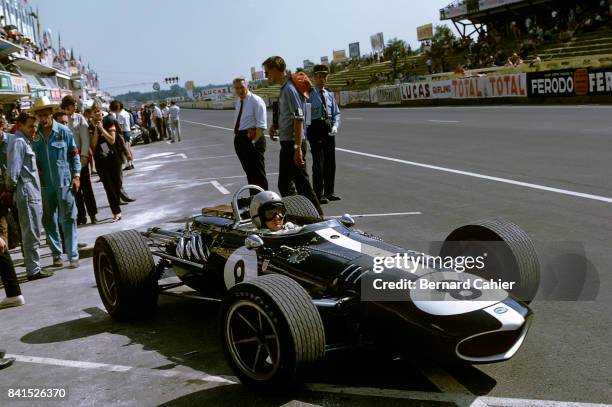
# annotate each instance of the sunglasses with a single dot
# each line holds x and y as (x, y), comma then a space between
(270, 214)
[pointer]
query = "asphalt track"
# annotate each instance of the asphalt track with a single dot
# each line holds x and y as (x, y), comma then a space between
(420, 172)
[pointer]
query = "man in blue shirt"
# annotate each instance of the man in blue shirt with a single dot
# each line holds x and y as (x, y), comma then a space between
(291, 116)
(322, 136)
(23, 183)
(60, 169)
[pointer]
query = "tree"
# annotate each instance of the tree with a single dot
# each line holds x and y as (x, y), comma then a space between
(443, 35)
(395, 47)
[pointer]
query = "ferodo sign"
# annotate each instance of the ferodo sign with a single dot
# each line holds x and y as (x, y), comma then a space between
(600, 82)
(415, 91)
(551, 84)
(513, 85)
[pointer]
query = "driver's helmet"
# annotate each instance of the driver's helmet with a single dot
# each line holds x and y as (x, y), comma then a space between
(263, 202)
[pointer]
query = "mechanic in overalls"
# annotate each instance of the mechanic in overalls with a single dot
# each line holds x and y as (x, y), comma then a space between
(24, 187)
(60, 167)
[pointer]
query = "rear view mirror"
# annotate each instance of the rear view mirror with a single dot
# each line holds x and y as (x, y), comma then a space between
(347, 220)
(253, 242)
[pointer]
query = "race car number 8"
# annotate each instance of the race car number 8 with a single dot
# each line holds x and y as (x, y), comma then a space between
(241, 266)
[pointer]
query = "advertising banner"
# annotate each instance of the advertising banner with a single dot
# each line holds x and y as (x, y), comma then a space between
(415, 91)
(388, 95)
(20, 85)
(378, 42)
(467, 88)
(510, 85)
(425, 32)
(600, 82)
(359, 96)
(344, 98)
(354, 50)
(339, 56)
(374, 95)
(441, 89)
(551, 84)
(324, 61)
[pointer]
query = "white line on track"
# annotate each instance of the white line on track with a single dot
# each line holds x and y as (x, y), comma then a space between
(443, 397)
(120, 368)
(231, 176)
(220, 187)
(372, 215)
(443, 121)
(466, 173)
(208, 125)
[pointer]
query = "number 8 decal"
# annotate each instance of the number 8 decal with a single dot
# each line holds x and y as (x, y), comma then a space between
(240, 266)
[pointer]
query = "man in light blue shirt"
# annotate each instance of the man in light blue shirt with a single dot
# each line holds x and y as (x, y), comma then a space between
(291, 116)
(322, 136)
(250, 121)
(23, 183)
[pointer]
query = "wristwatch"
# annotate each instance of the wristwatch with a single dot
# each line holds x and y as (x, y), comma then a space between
(296, 146)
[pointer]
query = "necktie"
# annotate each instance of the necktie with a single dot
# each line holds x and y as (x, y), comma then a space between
(237, 126)
(325, 114)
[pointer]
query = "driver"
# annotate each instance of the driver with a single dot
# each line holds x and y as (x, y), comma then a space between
(268, 212)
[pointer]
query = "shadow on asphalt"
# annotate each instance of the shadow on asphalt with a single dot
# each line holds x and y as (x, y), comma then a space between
(185, 331)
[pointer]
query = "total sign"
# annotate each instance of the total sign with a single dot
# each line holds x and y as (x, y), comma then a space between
(512, 85)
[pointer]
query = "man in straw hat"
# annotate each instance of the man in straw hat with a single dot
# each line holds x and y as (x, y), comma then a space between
(60, 168)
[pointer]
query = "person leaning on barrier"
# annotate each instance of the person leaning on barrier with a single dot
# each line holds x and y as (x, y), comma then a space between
(250, 121)
(291, 116)
(321, 136)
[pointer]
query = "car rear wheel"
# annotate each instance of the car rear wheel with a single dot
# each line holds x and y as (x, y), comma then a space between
(272, 332)
(300, 210)
(125, 274)
(510, 254)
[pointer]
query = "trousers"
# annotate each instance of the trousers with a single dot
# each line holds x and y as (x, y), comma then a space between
(59, 206)
(29, 212)
(252, 158)
(290, 174)
(8, 275)
(111, 175)
(85, 198)
(323, 149)
(175, 129)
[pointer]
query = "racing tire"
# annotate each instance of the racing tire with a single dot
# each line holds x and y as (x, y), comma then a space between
(510, 254)
(300, 210)
(271, 332)
(125, 275)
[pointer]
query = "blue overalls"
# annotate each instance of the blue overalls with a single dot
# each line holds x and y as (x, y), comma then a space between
(23, 179)
(58, 162)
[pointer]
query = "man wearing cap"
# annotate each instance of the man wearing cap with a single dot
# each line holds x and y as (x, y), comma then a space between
(249, 141)
(291, 117)
(85, 198)
(321, 136)
(60, 169)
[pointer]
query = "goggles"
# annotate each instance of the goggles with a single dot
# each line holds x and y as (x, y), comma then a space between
(270, 214)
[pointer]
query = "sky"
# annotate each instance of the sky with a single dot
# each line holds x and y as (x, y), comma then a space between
(133, 43)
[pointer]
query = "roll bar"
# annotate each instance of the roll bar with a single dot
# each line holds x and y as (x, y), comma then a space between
(237, 219)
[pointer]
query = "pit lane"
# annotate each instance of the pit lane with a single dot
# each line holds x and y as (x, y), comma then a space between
(176, 359)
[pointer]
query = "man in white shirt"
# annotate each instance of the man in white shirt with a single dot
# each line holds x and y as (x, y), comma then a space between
(158, 121)
(125, 122)
(164, 109)
(174, 121)
(249, 141)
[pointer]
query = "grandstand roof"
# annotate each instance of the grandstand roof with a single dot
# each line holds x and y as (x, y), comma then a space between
(474, 9)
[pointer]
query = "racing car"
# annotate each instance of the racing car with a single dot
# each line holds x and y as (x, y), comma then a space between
(286, 298)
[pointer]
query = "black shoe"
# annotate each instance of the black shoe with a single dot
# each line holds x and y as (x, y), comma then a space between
(81, 245)
(333, 197)
(2, 353)
(94, 220)
(39, 275)
(126, 198)
(6, 362)
(81, 221)
(323, 200)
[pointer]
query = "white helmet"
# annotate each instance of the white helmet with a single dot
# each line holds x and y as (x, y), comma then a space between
(262, 202)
